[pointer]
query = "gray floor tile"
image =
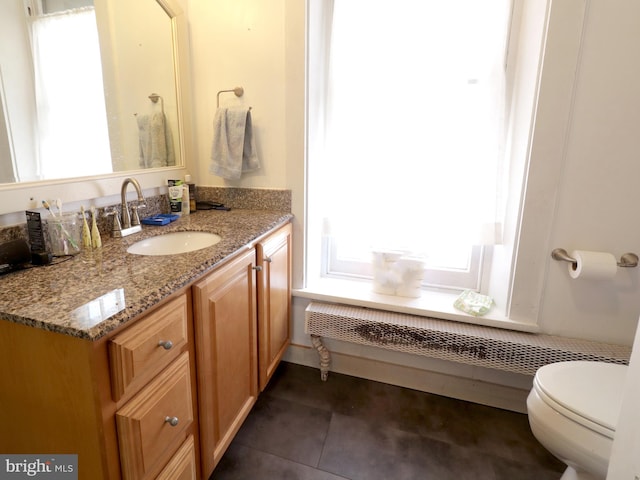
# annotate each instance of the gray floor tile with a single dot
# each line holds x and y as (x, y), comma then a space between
(511, 470)
(508, 435)
(302, 385)
(364, 450)
(287, 429)
(243, 463)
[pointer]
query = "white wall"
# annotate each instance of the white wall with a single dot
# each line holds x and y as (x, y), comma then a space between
(598, 195)
(259, 46)
(241, 44)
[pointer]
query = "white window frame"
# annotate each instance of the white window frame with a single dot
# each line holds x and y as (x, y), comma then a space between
(518, 267)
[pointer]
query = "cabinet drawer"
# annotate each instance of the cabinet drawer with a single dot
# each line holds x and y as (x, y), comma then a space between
(143, 350)
(153, 423)
(182, 465)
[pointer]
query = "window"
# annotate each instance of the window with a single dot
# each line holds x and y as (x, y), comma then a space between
(406, 134)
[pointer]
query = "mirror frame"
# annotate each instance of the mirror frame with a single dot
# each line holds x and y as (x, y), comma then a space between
(17, 197)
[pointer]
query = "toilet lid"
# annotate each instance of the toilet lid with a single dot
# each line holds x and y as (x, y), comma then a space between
(588, 390)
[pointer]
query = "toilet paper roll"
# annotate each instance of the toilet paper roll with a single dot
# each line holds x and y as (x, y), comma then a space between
(593, 265)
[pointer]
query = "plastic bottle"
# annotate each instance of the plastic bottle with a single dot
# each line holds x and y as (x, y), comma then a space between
(186, 207)
(192, 192)
(175, 196)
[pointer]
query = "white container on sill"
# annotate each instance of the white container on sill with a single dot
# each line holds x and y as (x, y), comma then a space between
(411, 273)
(396, 273)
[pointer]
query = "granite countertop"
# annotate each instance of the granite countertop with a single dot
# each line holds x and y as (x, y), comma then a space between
(94, 292)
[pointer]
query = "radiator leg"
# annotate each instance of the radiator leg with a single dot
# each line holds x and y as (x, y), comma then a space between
(323, 353)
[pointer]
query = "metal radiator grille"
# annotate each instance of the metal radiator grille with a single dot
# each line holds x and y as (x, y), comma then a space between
(459, 342)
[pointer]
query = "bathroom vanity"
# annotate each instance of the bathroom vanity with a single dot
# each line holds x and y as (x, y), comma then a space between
(146, 367)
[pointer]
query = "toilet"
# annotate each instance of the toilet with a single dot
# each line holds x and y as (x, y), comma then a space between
(573, 409)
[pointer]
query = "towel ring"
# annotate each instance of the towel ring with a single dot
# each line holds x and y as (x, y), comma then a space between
(239, 91)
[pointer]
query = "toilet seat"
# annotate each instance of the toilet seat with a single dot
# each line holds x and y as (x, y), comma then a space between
(589, 393)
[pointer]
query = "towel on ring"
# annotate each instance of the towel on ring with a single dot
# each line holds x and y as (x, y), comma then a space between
(156, 141)
(234, 148)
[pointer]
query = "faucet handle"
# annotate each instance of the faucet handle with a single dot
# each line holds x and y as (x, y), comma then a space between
(116, 229)
(135, 218)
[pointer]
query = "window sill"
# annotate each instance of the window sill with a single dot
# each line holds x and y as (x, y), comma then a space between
(433, 304)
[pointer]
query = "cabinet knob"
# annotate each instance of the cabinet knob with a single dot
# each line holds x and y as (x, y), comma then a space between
(268, 259)
(166, 344)
(257, 268)
(173, 421)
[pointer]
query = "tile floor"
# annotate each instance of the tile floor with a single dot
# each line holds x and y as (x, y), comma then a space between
(350, 428)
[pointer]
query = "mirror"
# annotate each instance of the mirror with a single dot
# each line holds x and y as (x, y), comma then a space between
(140, 125)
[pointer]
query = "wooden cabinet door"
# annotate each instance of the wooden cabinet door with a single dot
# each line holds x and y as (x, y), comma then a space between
(274, 301)
(226, 352)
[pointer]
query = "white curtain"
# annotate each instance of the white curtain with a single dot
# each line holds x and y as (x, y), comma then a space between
(72, 122)
(413, 135)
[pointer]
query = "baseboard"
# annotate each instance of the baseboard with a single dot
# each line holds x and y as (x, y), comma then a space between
(468, 389)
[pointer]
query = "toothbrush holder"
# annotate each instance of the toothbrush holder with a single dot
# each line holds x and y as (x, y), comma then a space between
(63, 234)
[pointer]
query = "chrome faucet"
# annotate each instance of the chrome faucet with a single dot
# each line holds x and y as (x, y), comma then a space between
(127, 224)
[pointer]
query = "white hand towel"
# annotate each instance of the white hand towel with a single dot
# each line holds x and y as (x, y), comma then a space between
(234, 149)
(156, 141)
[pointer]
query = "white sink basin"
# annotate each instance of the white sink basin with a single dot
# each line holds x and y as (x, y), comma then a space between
(174, 243)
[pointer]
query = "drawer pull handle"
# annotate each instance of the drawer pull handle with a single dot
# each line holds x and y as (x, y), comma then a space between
(268, 259)
(173, 421)
(166, 344)
(257, 268)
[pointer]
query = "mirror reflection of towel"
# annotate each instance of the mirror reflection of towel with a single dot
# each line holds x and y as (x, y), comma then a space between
(234, 149)
(156, 141)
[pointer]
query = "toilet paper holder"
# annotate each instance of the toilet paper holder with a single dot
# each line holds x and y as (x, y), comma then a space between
(627, 260)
